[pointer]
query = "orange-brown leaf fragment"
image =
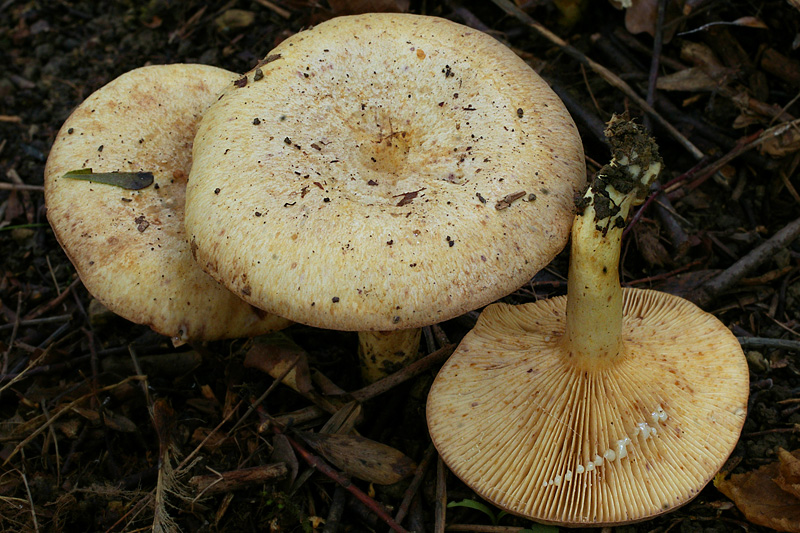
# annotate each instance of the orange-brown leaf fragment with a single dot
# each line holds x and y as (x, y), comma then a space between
(759, 496)
(274, 354)
(789, 473)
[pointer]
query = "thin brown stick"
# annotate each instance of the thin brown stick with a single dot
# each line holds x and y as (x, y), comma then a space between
(34, 370)
(789, 186)
(412, 370)
(300, 416)
(413, 487)
(4, 186)
(54, 302)
(745, 144)
(440, 510)
(334, 517)
(237, 479)
(386, 384)
(277, 9)
(266, 393)
(138, 370)
(320, 465)
(655, 62)
(772, 430)
(30, 501)
(211, 433)
(26, 371)
(14, 331)
(37, 321)
(747, 264)
(763, 342)
(65, 409)
(46, 413)
(138, 506)
(590, 91)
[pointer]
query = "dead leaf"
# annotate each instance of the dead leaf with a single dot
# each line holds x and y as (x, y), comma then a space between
(649, 245)
(14, 207)
(112, 421)
(782, 145)
(211, 441)
(164, 422)
(703, 57)
(234, 19)
(361, 457)
(760, 498)
(276, 352)
(641, 16)
(746, 118)
(282, 452)
(70, 427)
(789, 473)
(355, 7)
(690, 79)
(750, 22)
(344, 420)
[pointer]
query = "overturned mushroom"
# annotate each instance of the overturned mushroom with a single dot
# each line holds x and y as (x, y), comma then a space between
(383, 172)
(606, 406)
(126, 242)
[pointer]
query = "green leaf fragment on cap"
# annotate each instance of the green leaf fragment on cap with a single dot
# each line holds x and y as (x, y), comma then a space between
(126, 180)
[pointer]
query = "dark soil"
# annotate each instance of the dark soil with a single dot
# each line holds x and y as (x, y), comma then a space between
(92, 469)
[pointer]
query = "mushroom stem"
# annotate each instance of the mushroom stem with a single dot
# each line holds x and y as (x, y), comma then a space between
(385, 352)
(594, 295)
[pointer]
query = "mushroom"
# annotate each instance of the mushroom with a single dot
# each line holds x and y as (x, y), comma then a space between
(603, 407)
(129, 246)
(383, 172)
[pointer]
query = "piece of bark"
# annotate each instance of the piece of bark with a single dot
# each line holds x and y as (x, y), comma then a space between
(724, 281)
(238, 479)
(781, 66)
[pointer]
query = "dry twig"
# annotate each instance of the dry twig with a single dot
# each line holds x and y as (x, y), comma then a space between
(724, 281)
(510, 8)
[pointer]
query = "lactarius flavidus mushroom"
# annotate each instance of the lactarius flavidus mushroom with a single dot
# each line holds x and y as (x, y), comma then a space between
(606, 406)
(129, 246)
(383, 172)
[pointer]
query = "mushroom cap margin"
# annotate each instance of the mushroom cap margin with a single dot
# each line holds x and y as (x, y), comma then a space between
(518, 422)
(129, 247)
(352, 181)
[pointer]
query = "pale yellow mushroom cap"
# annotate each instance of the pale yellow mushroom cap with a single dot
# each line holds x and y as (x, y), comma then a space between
(129, 247)
(382, 172)
(517, 421)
